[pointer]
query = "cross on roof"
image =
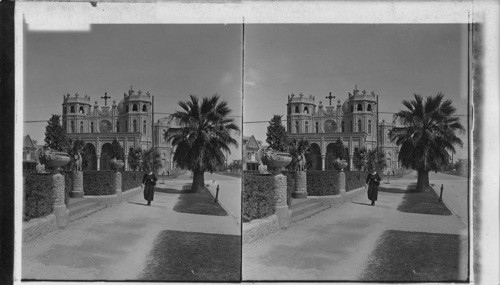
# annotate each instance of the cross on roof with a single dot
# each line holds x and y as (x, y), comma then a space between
(330, 97)
(106, 97)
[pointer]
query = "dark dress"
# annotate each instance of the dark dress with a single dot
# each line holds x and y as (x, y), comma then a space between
(373, 181)
(149, 182)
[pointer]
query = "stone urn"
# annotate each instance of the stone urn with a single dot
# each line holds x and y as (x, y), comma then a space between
(56, 159)
(340, 164)
(276, 160)
(116, 164)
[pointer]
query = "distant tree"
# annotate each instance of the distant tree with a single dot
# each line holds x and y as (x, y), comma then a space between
(117, 150)
(134, 158)
(75, 147)
(277, 137)
(359, 158)
(55, 137)
(204, 137)
(339, 149)
(427, 137)
(375, 160)
(151, 160)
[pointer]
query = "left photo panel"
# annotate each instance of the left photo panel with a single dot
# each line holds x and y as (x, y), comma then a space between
(131, 152)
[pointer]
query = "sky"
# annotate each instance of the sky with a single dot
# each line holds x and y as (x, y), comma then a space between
(170, 61)
(393, 60)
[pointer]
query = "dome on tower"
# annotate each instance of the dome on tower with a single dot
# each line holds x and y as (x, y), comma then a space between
(121, 108)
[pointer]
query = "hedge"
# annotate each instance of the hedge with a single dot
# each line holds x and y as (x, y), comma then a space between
(322, 183)
(98, 182)
(131, 179)
(355, 179)
(38, 196)
(257, 197)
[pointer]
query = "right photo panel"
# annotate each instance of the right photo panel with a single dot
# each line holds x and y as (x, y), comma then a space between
(356, 152)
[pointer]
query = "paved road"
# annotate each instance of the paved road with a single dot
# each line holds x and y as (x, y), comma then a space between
(229, 193)
(114, 243)
(455, 193)
(336, 243)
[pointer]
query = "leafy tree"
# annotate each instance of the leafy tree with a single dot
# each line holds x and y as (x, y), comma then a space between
(204, 138)
(359, 158)
(134, 158)
(428, 135)
(296, 149)
(339, 149)
(55, 137)
(375, 160)
(151, 160)
(117, 150)
(277, 137)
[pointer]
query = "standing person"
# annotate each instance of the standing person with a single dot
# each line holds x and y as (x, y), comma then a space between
(149, 182)
(372, 182)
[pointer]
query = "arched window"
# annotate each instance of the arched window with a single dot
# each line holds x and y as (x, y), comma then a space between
(72, 126)
(317, 127)
(144, 127)
(360, 107)
(306, 110)
(297, 109)
(81, 110)
(144, 108)
(296, 127)
(369, 107)
(134, 108)
(369, 126)
(134, 126)
(352, 108)
(359, 125)
(342, 125)
(91, 127)
(117, 127)
(72, 109)
(307, 127)
(126, 127)
(81, 127)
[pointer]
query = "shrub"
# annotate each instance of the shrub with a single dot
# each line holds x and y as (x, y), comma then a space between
(322, 183)
(38, 196)
(98, 182)
(258, 197)
(355, 179)
(131, 179)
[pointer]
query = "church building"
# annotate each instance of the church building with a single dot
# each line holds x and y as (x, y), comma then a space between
(353, 121)
(130, 122)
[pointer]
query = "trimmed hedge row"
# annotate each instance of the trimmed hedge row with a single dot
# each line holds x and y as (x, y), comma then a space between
(38, 196)
(257, 197)
(98, 182)
(355, 179)
(322, 183)
(131, 179)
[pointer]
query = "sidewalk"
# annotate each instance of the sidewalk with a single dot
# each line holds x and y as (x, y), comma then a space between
(229, 193)
(335, 244)
(114, 243)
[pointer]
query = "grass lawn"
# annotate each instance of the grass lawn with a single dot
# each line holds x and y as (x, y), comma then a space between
(414, 256)
(191, 256)
(199, 203)
(423, 203)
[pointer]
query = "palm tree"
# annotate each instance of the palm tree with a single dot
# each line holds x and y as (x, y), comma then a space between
(375, 160)
(427, 137)
(151, 159)
(204, 138)
(297, 149)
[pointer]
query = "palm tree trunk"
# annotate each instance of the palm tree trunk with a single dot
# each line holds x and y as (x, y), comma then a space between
(198, 181)
(423, 181)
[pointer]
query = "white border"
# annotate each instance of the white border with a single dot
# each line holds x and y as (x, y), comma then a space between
(79, 16)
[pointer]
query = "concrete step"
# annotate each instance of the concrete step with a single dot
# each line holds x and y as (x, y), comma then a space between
(305, 207)
(75, 202)
(307, 214)
(296, 203)
(85, 211)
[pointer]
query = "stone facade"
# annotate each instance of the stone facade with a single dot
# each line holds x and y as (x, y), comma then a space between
(130, 122)
(354, 122)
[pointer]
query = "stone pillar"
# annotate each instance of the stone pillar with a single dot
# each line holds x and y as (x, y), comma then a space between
(351, 166)
(323, 159)
(77, 182)
(60, 210)
(126, 163)
(98, 162)
(341, 182)
(301, 185)
(282, 210)
(118, 185)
